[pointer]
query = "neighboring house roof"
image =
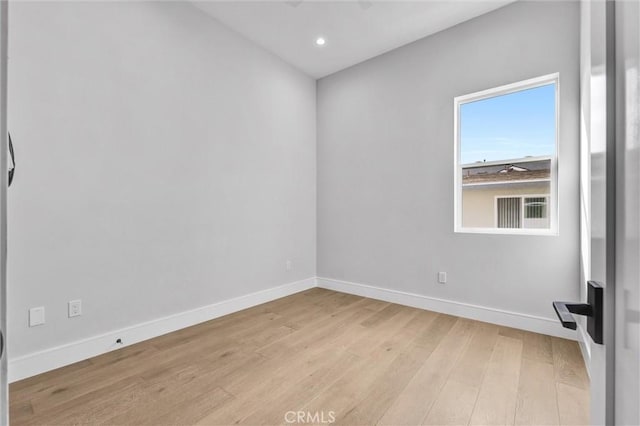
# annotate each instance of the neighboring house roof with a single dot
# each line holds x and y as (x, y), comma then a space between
(507, 177)
(511, 172)
(512, 168)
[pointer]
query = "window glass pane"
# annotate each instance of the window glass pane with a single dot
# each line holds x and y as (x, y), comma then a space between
(535, 208)
(516, 125)
(507, 146)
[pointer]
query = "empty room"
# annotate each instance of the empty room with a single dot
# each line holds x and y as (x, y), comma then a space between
(287, 212)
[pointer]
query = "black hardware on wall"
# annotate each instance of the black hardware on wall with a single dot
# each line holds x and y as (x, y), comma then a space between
(592, 310)
(12, 165)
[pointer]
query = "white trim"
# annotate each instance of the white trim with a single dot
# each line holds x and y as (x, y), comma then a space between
(518, 86)
(510, 231)
(585, 348)
(49, 359)
(548, 326)
(506, 183)
(505, 161)
(4, 389)
(554, 186)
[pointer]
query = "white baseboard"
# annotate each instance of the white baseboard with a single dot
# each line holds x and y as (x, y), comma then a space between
(49, 359)
(548, 326)
(585, 348)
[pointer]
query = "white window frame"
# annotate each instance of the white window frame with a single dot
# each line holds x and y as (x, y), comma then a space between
(522, 207)
(457, 170)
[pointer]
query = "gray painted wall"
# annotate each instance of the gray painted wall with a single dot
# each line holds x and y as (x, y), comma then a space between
(385, 164)
(164, 163)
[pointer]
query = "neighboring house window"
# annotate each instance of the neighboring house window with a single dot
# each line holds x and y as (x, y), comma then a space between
(522, 212)
(509, 212)
(535, 207)
(506, 164)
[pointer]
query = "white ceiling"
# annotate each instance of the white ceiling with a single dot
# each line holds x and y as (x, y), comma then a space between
(354, 30)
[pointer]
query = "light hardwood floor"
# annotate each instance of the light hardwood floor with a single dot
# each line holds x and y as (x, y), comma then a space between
(328, 354)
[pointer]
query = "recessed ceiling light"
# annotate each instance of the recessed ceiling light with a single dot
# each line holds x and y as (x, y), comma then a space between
(320, 41)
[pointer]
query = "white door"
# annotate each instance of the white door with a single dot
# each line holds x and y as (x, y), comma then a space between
(627, 271)
(610, 201)
(596, 193)
(4, 390)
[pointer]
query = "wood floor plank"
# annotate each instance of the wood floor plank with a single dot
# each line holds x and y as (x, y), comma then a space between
(381, 393)
(471, 367)
(57, 392)
(248, 395)
(514, 333)
(230, 329)
(573, 405)
(319, 351)
(386, 313)
(27, 386)
(416, 399)
(537, 347)
(129, 367)
(324, 327)
(19, 411)
(191, 395)
(188, 410)
(253, 401)
(395, 378)
(537, 398)
(275, 376)
(453, 405)
(345, 392)
(92, 407)
(302, 353)
(496, 402)
(457, 398)
(279, 403)
(568, 365)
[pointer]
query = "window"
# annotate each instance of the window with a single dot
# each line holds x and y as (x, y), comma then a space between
(506, 159)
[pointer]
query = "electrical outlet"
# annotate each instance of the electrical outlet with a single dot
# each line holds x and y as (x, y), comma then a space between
(75, 308)
(288, 265)
(442, 277)
(36, 316)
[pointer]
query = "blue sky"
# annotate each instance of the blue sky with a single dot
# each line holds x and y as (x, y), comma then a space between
(509, 126)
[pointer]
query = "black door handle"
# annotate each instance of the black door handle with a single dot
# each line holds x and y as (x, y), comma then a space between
(12, 159)
(565, 309)
(592, 310)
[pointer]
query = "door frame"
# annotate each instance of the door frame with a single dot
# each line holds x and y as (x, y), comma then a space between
(611, 206)
(4, 32)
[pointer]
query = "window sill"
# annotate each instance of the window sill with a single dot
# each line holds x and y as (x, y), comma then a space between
(499, 231)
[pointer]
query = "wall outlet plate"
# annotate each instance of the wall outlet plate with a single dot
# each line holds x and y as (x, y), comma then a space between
(442, 277)
(36, 316)
(75, 308)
